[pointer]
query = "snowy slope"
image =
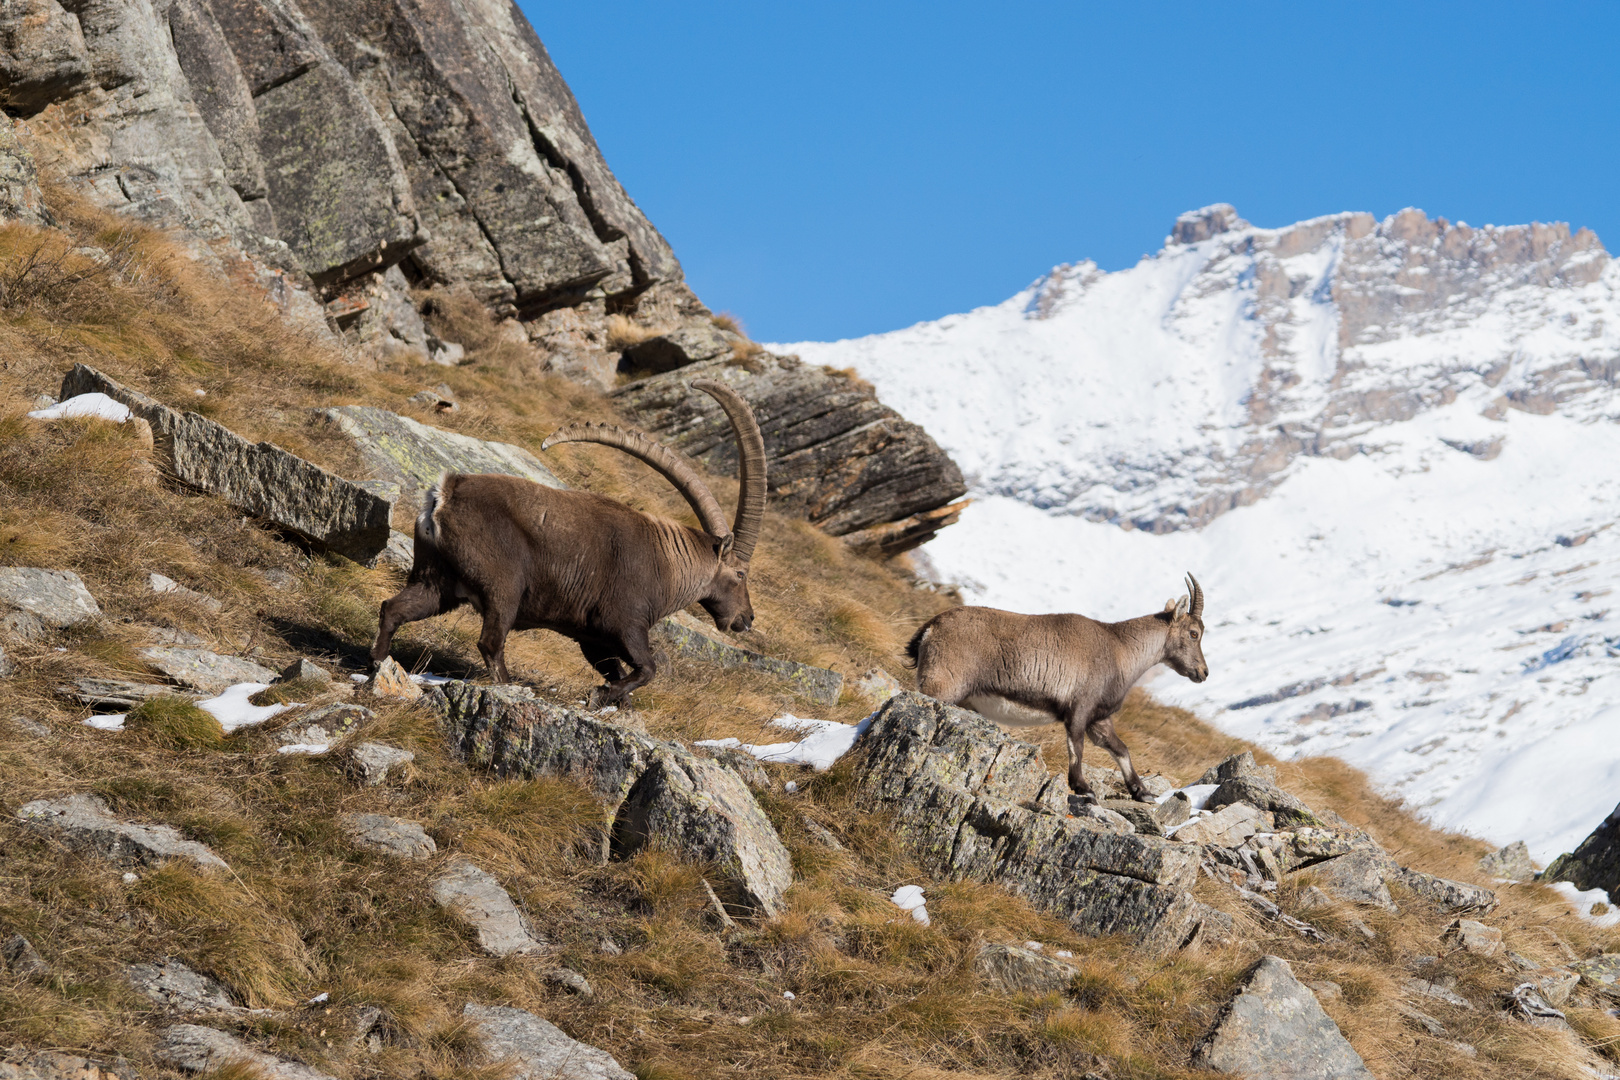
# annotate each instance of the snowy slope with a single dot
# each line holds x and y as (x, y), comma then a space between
(1389, 451)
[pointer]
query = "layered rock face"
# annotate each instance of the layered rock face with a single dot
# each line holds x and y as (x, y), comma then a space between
(334, 140)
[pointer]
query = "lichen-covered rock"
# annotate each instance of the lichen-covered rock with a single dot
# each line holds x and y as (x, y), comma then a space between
(261, 479)
(414, 455)
(20, 197)
(1287, 810)
(84, 823)
(114, 693)
(971, 803)
(1152, 819)
(1357, 877)
(476, 898)
(1239, 766)
(171, 983)
(194, 1049)
(1227, 827)
(371, 762)
(388, 835)
(1451, 896)
(1511, 863)
(1473, 937)
(1601, 973)
(19, 1063)
(303, 670)
(835, 454)
(326, 725)
(205, 671)
(1014, 970)
(1556, 984)
(704, 812)
(34, 602)
(19, 957)
(685, 637)
(537, 1050)
(655, 792)
(1276, 1030)
(1595, 864)
(877, 686)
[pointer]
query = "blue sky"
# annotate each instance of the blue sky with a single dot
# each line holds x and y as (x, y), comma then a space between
(835, 169)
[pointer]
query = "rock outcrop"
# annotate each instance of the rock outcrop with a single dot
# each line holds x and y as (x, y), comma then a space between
(1275, 1030)
(85, 823)
(1595, 864)
(194, 1049)
(973, 804)
(208, 672)
(537, 1050)
(835, 454)
(35, 602)
(1014, 970)
(174, 985)
(472, 895)
(655, 792)
(261, 479)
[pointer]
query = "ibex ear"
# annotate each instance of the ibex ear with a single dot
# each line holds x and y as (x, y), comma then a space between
(1170, 605)
(724, 548)
(1181, 607)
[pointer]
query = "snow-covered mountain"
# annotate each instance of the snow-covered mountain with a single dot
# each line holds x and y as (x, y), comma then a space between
(1388, 449)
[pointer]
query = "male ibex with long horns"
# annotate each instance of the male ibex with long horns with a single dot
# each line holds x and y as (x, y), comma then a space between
(1025, 670)
(594, 570)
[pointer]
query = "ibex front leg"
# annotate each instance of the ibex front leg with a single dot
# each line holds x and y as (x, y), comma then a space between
(1101, 732)
(1075, 726)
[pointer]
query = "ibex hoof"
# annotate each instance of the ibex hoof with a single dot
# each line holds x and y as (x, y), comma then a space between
(600, 697)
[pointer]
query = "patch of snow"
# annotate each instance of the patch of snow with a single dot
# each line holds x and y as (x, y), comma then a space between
(318, 998)
(1196, 815)
(304, 748)
(93, 405)
(1065, 954)
(789, 995)
(1033, 946)
(130, 877)
(1197, 794)
(357, 678)
(824, 742)
(790, 787)
(233, 710)
(910, 898)
(1582, 903)
(107, 722)
(427, 678)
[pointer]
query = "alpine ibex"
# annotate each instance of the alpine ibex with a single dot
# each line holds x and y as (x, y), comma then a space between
(594, 570)
(1025, 670)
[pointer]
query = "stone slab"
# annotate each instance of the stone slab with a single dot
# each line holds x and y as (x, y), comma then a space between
(477, 899)
(194, 1049)
(84, 823)
(208, 672)
(534, 1049)
(414, 455)
(34, 601)
(685, 637)
(1276, 1030)
(386, 835)
(260, 479)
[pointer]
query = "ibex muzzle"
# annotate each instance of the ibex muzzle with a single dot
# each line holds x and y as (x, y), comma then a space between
(1024, 670)
(594, 570)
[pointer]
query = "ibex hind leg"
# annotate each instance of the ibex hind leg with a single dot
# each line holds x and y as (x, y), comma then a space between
(635, 647)
(1102, 733)
(1081, 790)
(500, 615)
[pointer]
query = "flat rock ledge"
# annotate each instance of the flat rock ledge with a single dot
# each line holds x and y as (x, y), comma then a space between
(84, 823)
(535, 1049)
(656, 793)
(474, 896)
(386, 835)
(685, 637)
(35, 602)
(192, 1048)
(1276, 1030)
(973, 804)
(261, 479)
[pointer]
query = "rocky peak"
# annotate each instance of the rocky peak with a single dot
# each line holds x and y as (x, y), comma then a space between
(1197, 225)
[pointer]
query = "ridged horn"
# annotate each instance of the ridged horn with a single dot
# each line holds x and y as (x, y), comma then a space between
(671, 465)
(750, 466)
(1197, 594)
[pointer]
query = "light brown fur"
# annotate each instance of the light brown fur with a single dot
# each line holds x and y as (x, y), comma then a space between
(1025, 669)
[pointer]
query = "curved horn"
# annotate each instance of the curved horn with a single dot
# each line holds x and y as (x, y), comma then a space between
(750, 467)
(670, 464)
(1197, 594)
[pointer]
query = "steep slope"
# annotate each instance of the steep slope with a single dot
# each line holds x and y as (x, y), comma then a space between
(1381, 446)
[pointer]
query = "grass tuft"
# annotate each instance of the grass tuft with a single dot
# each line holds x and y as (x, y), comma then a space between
(174, 723)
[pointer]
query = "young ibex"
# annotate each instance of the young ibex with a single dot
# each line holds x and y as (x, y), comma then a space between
(1025, 670)
(594, 570)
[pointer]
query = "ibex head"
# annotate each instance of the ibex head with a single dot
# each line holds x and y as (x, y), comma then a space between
(727, 600)
(1184, 649)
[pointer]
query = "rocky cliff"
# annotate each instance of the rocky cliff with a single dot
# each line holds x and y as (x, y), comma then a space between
(353, 161)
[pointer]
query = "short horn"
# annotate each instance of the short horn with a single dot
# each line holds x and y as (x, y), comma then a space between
(1197, 594)
(669, 464)
(750, 466)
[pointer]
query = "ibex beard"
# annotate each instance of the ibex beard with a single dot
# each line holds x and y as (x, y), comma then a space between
(1024, 670)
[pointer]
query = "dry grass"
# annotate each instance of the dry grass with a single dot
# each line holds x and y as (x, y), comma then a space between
(623, 332)
(677, 995)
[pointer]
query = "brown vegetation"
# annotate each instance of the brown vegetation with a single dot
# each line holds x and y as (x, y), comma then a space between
(302, 911)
